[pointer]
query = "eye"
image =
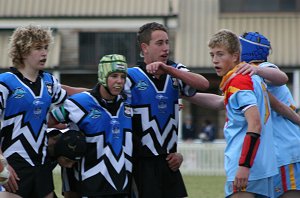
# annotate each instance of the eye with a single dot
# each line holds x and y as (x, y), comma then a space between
(159, 43)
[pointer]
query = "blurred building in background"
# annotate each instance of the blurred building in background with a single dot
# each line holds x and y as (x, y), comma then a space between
(85, 30)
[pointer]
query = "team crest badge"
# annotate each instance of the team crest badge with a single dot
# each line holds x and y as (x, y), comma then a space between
(175, 83)
(115, 128)
(49, 88)
(162, 102)
(127, 111)
(142, 85)
(19, 92)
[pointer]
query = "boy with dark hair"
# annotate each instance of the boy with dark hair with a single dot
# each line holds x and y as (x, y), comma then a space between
(154, 87)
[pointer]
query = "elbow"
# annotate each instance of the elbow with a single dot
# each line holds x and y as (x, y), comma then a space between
(285, 80)
(282, 80)
(204, 85)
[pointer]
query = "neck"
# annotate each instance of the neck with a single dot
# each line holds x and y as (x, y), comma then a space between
(29, 73)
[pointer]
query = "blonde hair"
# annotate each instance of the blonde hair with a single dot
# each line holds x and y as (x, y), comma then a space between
(23, 40)
(227, 39)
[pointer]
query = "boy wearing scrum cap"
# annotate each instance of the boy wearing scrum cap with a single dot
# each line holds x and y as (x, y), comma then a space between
(104, 116)
(255, 51)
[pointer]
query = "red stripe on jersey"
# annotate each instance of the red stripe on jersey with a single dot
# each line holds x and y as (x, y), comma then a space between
(283, 178)
(239, 82)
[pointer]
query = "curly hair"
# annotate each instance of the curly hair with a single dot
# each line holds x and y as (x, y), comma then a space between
(24, 38)
(225, 38)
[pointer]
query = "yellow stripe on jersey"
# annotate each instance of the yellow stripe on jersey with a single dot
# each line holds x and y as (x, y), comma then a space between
(292, 176)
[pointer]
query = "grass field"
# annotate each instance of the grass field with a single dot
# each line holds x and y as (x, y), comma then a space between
(197, 186)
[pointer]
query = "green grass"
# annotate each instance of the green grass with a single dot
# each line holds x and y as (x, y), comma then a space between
(197, 186)
(205, 186)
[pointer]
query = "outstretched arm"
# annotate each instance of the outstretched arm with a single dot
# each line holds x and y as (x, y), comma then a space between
(284, 110)
(272, 75)
(73, 90)
(207, 100)
(194, 80)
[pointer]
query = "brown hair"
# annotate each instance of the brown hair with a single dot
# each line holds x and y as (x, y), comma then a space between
(145, 31)
(24, 38)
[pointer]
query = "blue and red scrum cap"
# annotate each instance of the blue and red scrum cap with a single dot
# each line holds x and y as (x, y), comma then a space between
(255, 47)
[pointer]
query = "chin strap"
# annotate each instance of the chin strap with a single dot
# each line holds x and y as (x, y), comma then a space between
(249, 150)
(108, 91)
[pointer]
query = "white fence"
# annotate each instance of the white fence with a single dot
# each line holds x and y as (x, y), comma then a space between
(202, 158)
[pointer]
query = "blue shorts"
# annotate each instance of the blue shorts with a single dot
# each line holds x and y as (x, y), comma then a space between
(262, 188)
(287, 179)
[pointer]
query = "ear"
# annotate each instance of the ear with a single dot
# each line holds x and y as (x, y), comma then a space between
(144, 47)
(236, 57)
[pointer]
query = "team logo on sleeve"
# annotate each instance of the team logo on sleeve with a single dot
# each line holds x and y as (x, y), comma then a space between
(142, 85)
(94, 113)
(19, 92)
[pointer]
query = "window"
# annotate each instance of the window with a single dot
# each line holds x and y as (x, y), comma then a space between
(92, 46)
(229, 6)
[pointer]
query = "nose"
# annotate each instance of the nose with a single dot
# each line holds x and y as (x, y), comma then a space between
(214, 59)
(44, 52)
(166, 47)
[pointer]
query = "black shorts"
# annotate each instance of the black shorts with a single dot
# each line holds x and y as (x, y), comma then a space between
(69, 182)
(154, 178)
(35, 182)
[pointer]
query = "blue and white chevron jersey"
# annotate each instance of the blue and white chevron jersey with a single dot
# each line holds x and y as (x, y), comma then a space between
(24, 118)
(155, 111)
(106, 168)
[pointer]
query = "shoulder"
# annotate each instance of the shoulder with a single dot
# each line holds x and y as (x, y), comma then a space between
(242, 82)
(80, 96)
(268, 64)
(6, 75)
(47, 76)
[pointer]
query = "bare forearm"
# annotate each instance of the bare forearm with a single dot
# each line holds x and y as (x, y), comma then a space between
(273, 76)
(253, 119)
(73, 90)
(207, 100)
(196, 81)
(284, 110)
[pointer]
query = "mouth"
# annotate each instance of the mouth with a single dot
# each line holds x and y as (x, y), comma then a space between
(218, 69)
(164, 55)
(43, 60)
(117, 87)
